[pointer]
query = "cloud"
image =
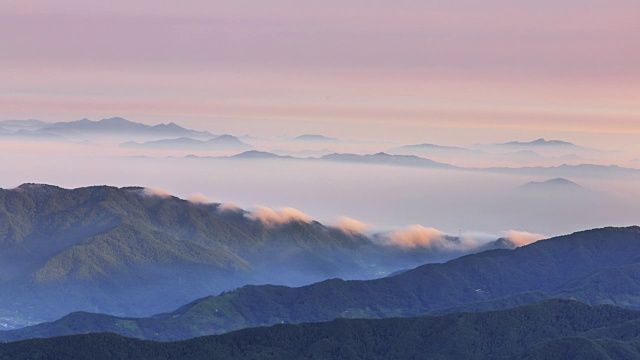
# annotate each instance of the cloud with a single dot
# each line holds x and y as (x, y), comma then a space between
(229, 206)
(271, 217)
(351, 226)
(157, 192)
(199, 198)
(416, 236)
(522, 238)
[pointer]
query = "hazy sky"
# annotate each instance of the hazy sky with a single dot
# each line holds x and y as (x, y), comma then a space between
(406, 70)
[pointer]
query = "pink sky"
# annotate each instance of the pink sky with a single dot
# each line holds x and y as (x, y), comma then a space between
(406, 70)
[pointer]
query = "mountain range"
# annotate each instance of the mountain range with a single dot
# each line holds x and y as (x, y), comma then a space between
(85, 128)
(386, 159)
(598, 266)
(316, 138)
(557, 184)
(565, 170)
(223, 142)
(538, 144)
(110, 249)
(494, 155)
(553, 329)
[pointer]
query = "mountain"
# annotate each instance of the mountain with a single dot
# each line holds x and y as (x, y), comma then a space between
(14, 125)
(223, 142)
(303, 153)
(452, 154)
(107, 249)
(32, 135)
(598, 266)
(557, 184)
(556, 147)
(581, 170)
(539, 142)
(433, 149)
(114, 248)
(386, 159)
(254, 154)
(554, 329)
(316, 138)
(121, 127)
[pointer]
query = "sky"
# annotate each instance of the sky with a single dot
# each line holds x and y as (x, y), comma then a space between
(456, 71)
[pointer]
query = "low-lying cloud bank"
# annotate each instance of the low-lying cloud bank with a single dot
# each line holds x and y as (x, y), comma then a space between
(198, 198)
(416, 236)
(522, 238)
(413, 237)
(157, 192)
(351, 226)
(420, 237)
(281, 216)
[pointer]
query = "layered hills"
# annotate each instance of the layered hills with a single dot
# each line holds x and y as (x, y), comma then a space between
(554, 329)
(596, 267)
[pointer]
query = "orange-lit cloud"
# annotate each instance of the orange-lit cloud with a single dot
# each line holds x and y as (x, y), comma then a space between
(417, 236)
(273, 217)
(198, 198)
(522, 238)
(157, 192)
(228, 206)
(351, 226)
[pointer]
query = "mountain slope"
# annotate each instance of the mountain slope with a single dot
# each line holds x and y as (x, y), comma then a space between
(573, 266)
(79, 246)
(548, 330)
(107, 249)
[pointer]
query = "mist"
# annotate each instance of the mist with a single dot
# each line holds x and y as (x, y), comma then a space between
(384, 197)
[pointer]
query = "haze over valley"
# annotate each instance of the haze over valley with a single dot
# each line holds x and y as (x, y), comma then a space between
(322, 179)
(453, 189)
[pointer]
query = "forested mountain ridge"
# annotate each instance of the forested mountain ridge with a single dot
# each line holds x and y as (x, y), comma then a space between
(548, 330)
(104, 247)
(597, 266)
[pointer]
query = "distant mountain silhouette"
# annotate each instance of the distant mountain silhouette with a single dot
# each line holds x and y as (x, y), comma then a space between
(437, 149)
(14, 125)
(303, 153)
(581, 170)
(316, 138)
(453, 153)
(223, 142)
(254, 154)
(386, 159)
(120, 126)
(553, 184)
(539, 145)
(32, 135)
(539, 142)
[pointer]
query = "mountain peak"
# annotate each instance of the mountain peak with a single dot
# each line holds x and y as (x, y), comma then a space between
(539, 142)
(315, 137)
(114, 120)
(169, 126)
(552, 184)
(227, 137)
(255, 154)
